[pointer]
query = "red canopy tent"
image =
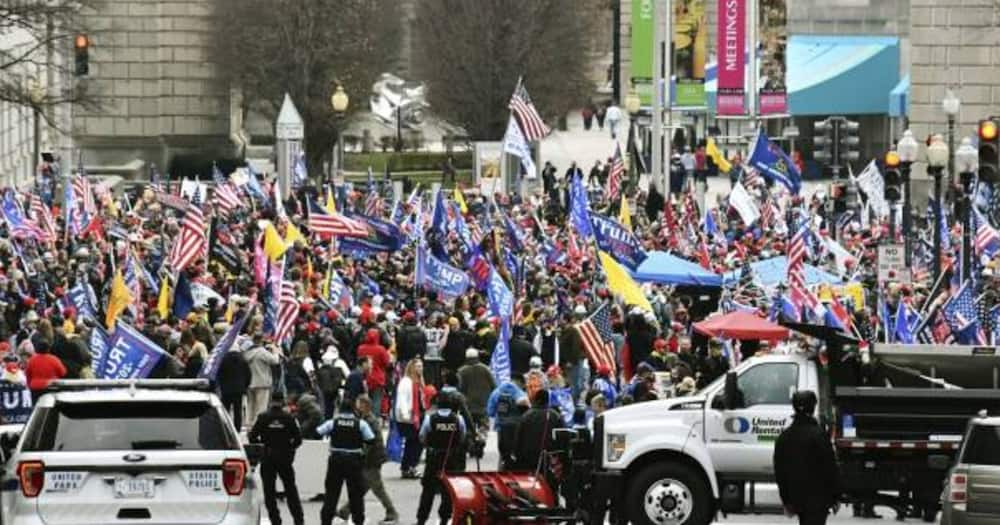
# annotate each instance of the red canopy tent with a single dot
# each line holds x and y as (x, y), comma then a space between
(741, 325)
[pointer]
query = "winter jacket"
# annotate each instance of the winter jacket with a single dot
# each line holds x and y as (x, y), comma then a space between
(411, 341)
(454, 348)
(570, 346)
(805, 467)
(379, 356)
(260, 360)
(476, 382)
(234, 374)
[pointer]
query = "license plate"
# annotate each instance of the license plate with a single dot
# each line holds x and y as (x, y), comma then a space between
(129, 488)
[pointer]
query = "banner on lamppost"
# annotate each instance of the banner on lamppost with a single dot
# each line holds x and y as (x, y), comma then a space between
(642, 49)
(773, 27)
(689, 49)
(731, 46)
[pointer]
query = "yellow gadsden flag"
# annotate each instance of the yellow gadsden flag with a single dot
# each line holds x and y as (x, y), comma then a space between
(120, 299)
(331, 203)
(293, 234)
(717, 157)
(622, 285)
(163, 301)
(625, 214)
(460, 199)
(274, 246)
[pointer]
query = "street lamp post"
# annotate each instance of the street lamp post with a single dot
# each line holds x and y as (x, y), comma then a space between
(632, 105)
(37, 95)
(339, 101)
(938, 155)
(951, 104)
(907, 149)
(967, 159)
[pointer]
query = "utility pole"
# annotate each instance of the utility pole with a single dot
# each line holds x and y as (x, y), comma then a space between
(659, 176)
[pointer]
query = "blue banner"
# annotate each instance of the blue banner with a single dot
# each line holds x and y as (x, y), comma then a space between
(580, 208)
(99, 343)
(772, 162)
(439, 276)
(561, 399)
(466, 244)
(616, 240)
(383, 236)
(500, 359)
(210, 368)
(500, 298)
(82, 297)
(16, 399)
(130, 355)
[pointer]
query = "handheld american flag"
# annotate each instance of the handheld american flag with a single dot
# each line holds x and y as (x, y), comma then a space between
(531, 123)
(595, 333)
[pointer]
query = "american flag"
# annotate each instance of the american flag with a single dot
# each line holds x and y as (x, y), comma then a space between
(288, 311)
(595, 333)
(323, 223)
(987, 238)
(615, 174)
(217, 175)
(531, 123)
(691, 208)
(960, 312)
(192, 242)
(81, 187)
(372, 204)
(226, 198)
(43, 216)
(801, 297)
(751, 178)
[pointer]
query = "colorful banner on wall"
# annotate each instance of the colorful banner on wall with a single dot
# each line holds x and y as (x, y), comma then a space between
(773, 27)
(689, 50)
(731, 46)
(642, 49)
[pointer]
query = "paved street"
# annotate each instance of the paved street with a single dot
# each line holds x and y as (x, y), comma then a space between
(406, 493)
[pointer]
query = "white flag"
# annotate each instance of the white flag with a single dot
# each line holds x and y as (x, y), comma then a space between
(740, 199)
(870, 181)
(514, 143)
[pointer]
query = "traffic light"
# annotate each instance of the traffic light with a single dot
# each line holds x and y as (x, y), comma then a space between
(893, 180)
(81, 45)
(823, 141)
(849, 141)
(989, 151)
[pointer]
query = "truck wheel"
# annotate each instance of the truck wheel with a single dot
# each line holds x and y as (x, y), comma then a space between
(669, 493)
(930, 512)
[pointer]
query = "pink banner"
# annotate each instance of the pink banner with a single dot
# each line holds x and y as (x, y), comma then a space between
(731, 91)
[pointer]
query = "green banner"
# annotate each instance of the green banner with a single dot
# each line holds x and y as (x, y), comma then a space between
(689, 51)
(689, 94)
(642, 49)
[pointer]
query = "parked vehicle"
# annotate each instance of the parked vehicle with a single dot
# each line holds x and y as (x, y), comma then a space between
(972, 493)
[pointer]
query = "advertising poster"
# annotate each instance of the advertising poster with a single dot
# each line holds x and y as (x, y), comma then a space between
(688, 52)
(642, 49)
(773, 42)
(731, 45)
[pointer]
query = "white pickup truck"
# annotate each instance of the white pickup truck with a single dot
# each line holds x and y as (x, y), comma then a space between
(682, 460)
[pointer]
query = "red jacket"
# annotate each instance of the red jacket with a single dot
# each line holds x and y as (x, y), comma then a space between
(43, 369)
(380, 358)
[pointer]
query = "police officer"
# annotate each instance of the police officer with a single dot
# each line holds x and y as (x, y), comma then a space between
(279, 432)
(348, 435)
(804, 465)
(442, 432)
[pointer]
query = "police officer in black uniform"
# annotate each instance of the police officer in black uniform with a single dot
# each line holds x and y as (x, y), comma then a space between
(278, 431)
(442, 432)
(348, 435)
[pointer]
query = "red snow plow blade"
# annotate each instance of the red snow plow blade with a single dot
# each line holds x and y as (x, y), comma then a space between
(480, 498)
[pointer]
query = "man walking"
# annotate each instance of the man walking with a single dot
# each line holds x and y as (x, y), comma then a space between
(374, 457)
(476, 383)
(804, 465)
(278, 431)
(442, 432)
(348, 435)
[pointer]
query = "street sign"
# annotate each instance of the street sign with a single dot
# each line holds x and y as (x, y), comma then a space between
(892, 263)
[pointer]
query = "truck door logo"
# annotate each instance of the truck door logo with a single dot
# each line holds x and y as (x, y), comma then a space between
(736, 425)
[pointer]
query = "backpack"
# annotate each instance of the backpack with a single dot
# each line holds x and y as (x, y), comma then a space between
(507, 411)
(330, 379)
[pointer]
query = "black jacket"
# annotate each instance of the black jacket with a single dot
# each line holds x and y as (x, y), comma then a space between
(521, 352)
(534, 435)
(234, 374)
(454, 348)
(279, 432)
(805, 467)
(411, 341)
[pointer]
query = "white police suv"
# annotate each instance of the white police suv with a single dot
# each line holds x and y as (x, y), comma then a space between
(147, 451)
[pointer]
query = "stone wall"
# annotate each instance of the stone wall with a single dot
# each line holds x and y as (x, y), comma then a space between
(158, 93)
(954, 44)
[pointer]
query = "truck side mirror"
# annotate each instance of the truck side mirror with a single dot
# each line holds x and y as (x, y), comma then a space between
(733, 397)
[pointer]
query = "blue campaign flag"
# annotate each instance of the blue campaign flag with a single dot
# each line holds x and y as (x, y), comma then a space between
(500, 299)
(510, 263)
(82, 298)
(99, 343)
(710, 227)
(561, 399)
(383, 236)
(130, 355)
(580, 209)
(904, 332)
(15, 400)
(438, 276)
(210, 368)
(617, 241)
(339, 293)
(466, 244)
(253, 184)
(515, 237)
(500, 359)
(771, 161)
(886, 316)
(183, 298)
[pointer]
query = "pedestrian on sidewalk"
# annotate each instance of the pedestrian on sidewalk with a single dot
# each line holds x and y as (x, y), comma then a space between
(375, 456)
(409, 411)
(261, 357)
(614, 118)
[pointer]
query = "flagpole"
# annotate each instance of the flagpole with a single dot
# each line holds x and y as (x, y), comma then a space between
(934, 290)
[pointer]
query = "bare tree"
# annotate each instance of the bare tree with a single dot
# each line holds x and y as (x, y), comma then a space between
(39, 32)
(472, 53)
(305, 48)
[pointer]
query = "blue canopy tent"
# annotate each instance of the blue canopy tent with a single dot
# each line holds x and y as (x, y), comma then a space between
(770, 272)
(663, 268)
